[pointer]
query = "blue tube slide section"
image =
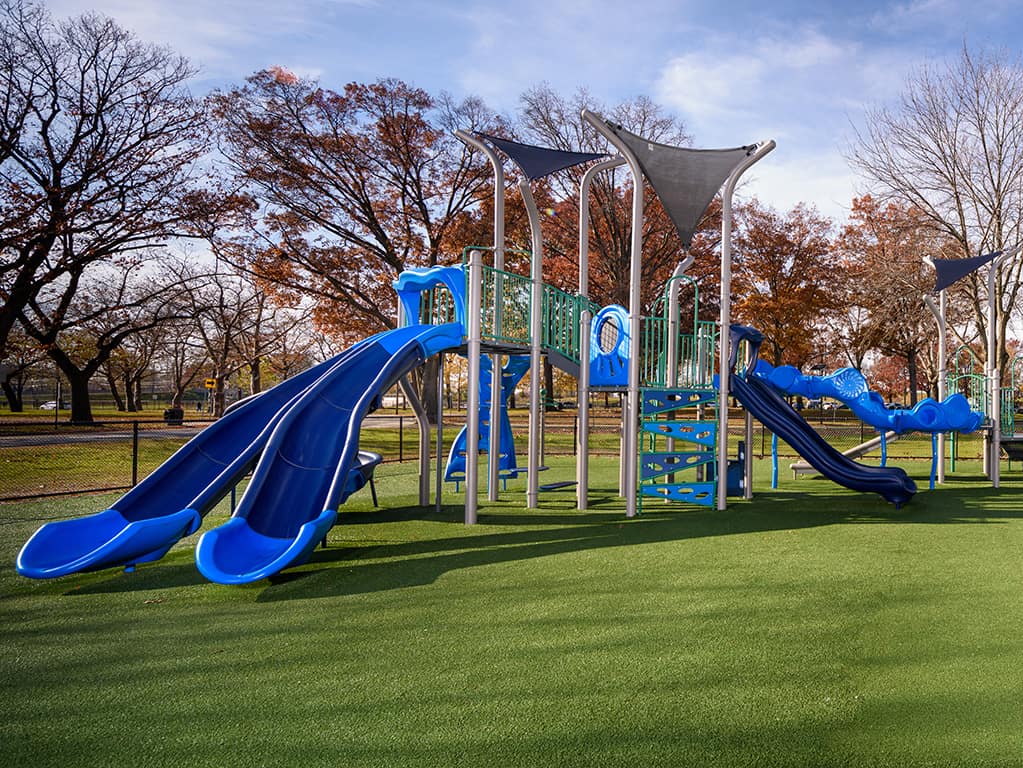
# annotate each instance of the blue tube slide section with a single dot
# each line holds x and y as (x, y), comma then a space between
(953, 414)
(171, 502)
(771, 409)
(510, 376)
(302, 477)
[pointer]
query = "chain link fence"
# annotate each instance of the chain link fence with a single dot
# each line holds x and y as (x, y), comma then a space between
(49, 458)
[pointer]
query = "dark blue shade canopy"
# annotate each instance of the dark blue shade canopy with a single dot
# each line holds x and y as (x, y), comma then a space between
(537, 162)
(685, 180)
(948, 271)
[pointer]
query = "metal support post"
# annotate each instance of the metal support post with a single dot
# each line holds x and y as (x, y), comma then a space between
(440, 430)
(535, 339)
(496, 390)
(472, 427)
(725, 319)
(582, 462)
(939, 316)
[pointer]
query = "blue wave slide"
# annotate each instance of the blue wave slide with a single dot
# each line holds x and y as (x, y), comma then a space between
(847, 385)
(302, 477)
(771, 409)
(171, 502)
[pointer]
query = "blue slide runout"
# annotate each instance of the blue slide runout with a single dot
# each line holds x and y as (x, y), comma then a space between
(847, 385)
(302, 477)
(171, 502)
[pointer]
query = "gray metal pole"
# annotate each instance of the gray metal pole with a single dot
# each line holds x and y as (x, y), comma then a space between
(496, 392)
(630, 436)
(939, 311)
(673, 327)
(423, 423)
(472, 426)
(582, 454)
(535, 338)
(725, 319)
(671, 380)
(994, 375)
(440, 429)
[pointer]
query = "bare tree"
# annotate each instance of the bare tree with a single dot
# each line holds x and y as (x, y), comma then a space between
(23, 354)
(952, 148)
(553, 120)
(81, 328)
(183, 356)
(98, 140)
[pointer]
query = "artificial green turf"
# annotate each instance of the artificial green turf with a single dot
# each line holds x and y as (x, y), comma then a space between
(812, 626)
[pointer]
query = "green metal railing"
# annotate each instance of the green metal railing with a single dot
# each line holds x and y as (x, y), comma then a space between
(437, 306)
(506, 305)
(562, 315)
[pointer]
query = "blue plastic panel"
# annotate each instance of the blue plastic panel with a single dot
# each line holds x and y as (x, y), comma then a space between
(662, 401)
(659, 464)
(703, 494)
(698, 432)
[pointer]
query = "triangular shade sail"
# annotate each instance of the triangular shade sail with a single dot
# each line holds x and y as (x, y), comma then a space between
(948, 271)
(685, 180)
(537, 162)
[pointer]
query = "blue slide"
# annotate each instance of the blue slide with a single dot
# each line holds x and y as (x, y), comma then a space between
(302, 477)
(171, 502)
(771, 409)
(849, 386)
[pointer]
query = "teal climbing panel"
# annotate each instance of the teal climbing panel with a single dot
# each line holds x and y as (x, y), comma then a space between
(678, 454)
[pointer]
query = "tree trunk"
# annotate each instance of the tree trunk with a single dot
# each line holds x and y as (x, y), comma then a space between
(137, 387)
(115, 393)
(78, 384)
(129, 395)
(911, 367)
(548, 385)
(81, 406)
(218, 398)
(255, 376)
(13, 396)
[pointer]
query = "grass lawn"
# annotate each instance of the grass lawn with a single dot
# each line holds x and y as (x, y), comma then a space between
(812, 626)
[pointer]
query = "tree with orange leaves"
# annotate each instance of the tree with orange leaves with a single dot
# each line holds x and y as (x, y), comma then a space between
(783, 276)
(882, 250)
(351, 188)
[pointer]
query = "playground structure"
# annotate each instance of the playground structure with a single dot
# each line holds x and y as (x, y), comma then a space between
(300, 439)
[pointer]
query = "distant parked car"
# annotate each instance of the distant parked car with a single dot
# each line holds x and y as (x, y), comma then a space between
(51, 405)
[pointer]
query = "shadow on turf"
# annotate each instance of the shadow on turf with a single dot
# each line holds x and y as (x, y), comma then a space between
(343, 570)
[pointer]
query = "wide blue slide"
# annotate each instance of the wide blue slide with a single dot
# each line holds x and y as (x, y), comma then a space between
(302, 477)
(171, 502)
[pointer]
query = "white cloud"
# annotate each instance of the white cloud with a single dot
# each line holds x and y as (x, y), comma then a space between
(789, 176)
(227, 39)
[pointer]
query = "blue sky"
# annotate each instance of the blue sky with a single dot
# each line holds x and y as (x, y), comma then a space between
(801, 72)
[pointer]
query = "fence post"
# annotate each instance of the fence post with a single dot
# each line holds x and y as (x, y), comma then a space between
(134, 453)
(401, 439)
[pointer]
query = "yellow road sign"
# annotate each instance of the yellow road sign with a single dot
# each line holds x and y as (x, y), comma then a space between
(211, 383)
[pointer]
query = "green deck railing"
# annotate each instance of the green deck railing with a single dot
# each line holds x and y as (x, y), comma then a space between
(506, 301)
